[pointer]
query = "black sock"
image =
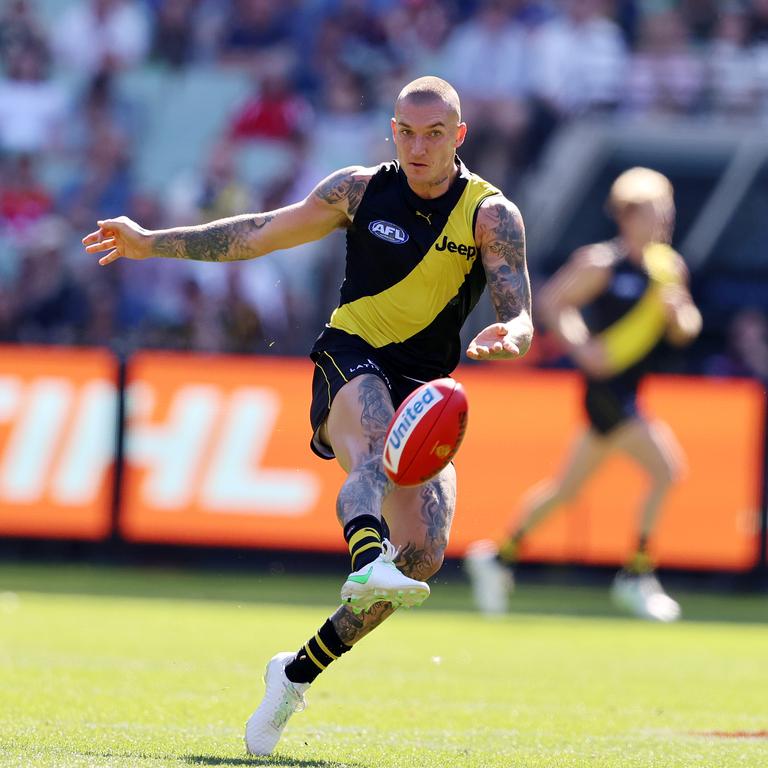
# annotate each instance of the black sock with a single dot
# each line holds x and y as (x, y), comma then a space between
(363, 535)
(316, 654)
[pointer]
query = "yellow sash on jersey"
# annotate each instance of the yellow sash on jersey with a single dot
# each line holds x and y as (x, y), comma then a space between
(633, 336)
(401, 311)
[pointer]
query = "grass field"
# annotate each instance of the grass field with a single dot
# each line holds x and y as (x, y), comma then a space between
(140, 669)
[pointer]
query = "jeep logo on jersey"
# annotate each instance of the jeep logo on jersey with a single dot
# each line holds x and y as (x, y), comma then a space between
(389, 232)
(463, 250)
(402, 427)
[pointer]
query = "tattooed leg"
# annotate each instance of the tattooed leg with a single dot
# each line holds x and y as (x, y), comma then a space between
(356, 428)
(420, 520)
(352, 627)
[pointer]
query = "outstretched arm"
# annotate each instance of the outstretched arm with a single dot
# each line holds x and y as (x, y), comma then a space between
(331, 205)
(500, 235)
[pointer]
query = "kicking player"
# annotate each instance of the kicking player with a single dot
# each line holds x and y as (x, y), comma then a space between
(609, 306)
(424, 236)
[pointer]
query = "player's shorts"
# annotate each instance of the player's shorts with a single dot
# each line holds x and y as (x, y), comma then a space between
(339, 358)
(609, 404)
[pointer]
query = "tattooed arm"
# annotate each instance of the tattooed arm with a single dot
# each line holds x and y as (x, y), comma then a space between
(500, 236)
(331, 205)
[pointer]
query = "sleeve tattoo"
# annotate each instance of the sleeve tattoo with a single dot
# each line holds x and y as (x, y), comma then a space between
(222, 240)
(503, 253)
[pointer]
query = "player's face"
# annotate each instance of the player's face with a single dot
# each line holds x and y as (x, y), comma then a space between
(426, 136)
(646, 222)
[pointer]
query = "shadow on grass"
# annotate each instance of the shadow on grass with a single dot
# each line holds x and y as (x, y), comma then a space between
(220, 761)
(276, 761)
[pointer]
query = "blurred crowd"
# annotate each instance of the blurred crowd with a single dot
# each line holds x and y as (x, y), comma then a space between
(318, 79)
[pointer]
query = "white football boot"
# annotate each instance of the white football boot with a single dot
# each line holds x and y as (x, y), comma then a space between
(281, 699)
(381, 581)
(491, 581)
(643, 595)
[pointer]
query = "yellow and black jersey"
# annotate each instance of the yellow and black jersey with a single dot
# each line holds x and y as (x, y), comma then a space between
(629, 315)
(630, 319)
(413, 272)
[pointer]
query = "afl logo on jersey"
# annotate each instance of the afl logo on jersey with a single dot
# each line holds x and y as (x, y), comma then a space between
(389, 232)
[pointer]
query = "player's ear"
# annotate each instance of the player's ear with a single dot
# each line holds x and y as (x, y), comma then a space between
(461, 134)
(393, 124)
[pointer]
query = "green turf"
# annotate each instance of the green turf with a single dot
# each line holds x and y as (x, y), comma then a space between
(135, 669)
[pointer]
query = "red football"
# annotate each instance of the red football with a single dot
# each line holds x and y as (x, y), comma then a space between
(426, 431)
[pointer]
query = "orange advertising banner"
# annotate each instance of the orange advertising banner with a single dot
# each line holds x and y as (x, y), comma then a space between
(57, 441)
(217, 453)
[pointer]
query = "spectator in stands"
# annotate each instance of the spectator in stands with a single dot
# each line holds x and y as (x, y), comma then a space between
(494, 43)
(100, 110)
(253, 27)
(101, 34)
(701, 17)
(52, 303)
(173, 33)
(578, 65)
(667, 75)
(195, 330)
(33, 107)
(242, 329)
(579, 60)
(345, 126)
(221, 191)
(734, 75)
(758, 21)
(366, 49)
(274, 111)
(746, 353)
(104, 182)
(24, 201)
(19, 28)
(418, 32)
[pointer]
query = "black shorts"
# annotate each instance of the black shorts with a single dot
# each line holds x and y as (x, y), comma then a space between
(339, 358)
(609, 403)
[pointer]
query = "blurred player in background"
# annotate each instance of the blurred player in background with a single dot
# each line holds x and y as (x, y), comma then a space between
(610, 305)
(424, 236)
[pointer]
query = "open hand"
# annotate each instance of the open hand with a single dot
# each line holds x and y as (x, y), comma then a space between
(121, 238)
(496, 342)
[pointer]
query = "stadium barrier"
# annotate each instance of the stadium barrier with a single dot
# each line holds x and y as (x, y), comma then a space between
(214, 452)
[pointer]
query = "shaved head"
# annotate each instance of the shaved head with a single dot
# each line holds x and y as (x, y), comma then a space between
(427, 89)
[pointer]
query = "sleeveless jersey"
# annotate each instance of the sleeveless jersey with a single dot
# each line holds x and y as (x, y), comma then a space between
(629, 316)
(413, 272)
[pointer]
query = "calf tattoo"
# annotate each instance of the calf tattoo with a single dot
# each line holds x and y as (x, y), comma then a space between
(351, 627)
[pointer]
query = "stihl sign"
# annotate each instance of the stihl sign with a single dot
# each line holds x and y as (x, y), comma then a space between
(196, 445)
(216, 453)
(57, 441)
(208, 449)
